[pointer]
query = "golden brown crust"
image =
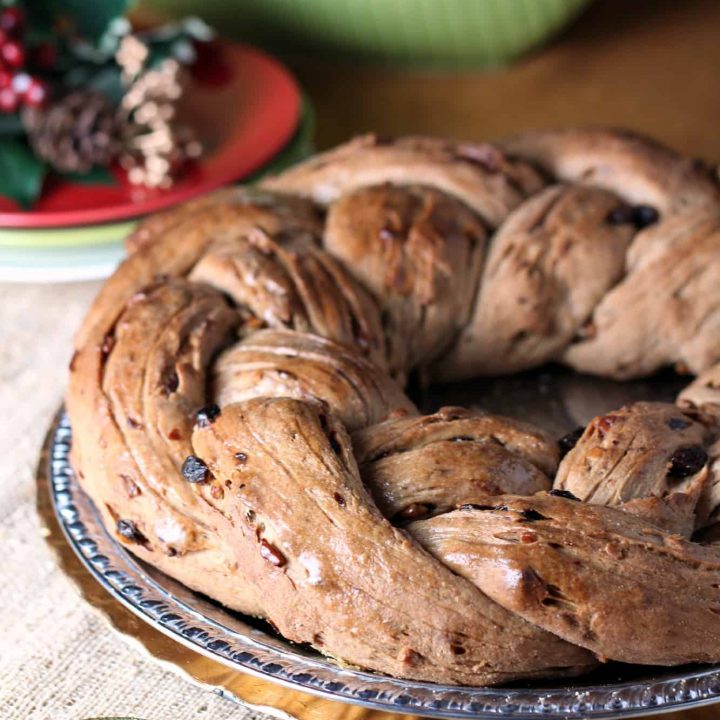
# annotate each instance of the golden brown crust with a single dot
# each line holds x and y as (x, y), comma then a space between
(222, 367)
(674, 288)
(477, 174)
(420, 253)
(287, 281)
(284, 363)
(631, 165)
(628, 455)
(598, 577)
(415, 467)
(344, 579)
(550, 263)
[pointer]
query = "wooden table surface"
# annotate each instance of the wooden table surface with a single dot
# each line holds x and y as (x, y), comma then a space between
(651, 65)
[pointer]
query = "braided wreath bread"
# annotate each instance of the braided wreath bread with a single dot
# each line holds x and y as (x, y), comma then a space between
(239, 419)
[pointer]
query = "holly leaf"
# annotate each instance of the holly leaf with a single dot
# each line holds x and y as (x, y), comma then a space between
(11, 124)
(104, 78)
(21, 172)
(91, 19)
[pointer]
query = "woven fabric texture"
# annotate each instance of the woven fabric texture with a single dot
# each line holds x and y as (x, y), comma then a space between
(58, 659)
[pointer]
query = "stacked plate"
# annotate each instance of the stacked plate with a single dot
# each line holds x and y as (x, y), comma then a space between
(251, 118)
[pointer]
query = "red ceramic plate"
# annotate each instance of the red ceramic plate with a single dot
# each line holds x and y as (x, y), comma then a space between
(243, 105)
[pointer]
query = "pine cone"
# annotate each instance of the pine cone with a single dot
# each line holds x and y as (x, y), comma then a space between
(76, 132)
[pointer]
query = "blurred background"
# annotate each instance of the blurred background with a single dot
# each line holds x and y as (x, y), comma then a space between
(112, 110)
(483, 68)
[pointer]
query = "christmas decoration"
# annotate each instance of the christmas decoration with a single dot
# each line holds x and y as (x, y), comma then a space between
(76, 133)
(80, 90)
(154, 145)
(18, 86)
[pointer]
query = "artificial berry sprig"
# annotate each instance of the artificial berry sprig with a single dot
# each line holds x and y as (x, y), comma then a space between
(69, 102)
(18, 85)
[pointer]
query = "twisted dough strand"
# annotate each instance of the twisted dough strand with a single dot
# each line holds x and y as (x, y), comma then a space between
(239, 421)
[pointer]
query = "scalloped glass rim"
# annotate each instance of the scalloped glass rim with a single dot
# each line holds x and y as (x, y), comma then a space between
(205, 628)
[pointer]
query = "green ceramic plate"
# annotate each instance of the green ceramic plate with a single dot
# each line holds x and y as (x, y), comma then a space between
(427, 32)
(93, 251)
(106, 234)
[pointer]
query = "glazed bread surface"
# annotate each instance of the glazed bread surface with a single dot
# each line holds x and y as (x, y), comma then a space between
(239, 418)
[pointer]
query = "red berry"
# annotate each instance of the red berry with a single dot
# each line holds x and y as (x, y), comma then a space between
(43, 56)
(12, 19)
(36, 94)
(6, 78)
(9, 100)
(13, 53)
(21, 82)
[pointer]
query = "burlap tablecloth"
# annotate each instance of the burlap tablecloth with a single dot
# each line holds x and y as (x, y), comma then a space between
(58, 660)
